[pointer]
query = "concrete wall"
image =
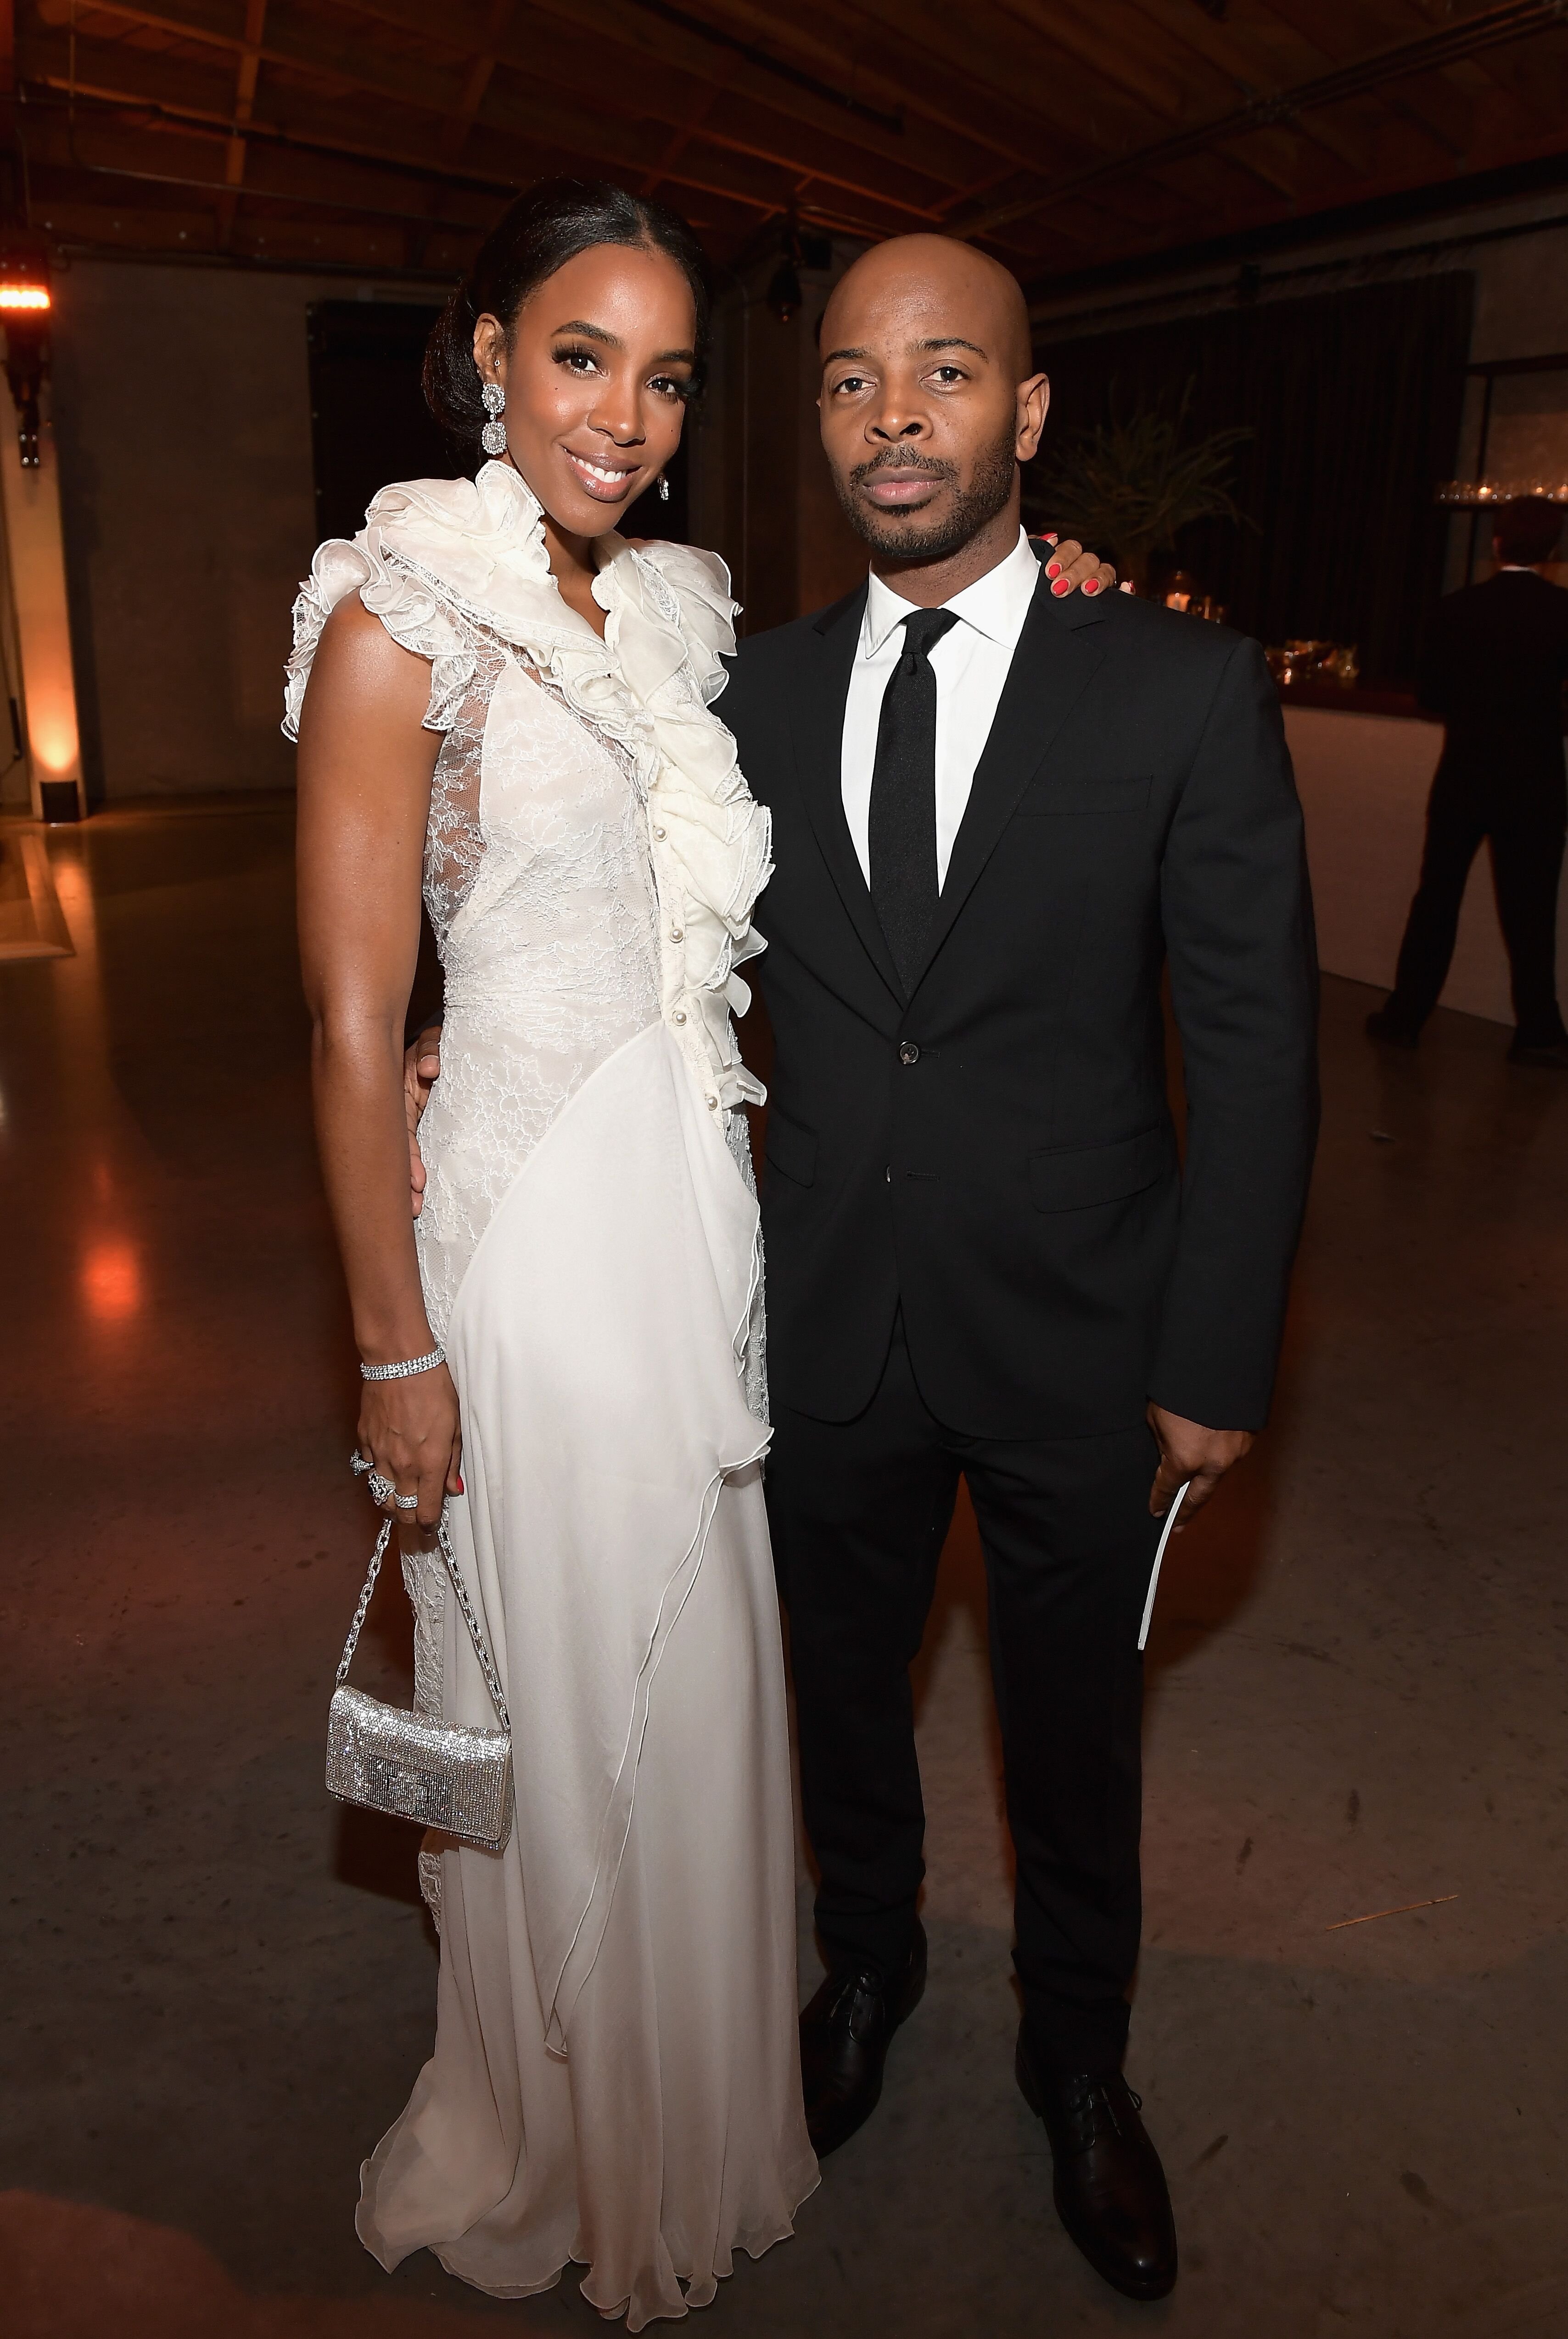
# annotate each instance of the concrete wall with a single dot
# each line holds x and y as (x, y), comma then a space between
(181, 405)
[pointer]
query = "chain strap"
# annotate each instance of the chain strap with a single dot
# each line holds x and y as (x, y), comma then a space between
(487, 1665)
(358, 1625)
(492, 1680)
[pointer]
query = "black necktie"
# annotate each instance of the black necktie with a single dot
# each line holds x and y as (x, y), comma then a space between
(903, 828)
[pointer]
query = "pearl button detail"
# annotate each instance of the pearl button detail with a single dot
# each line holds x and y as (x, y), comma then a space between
(660, 834)
(677, 934)
(712, 1103)
(679, 1016)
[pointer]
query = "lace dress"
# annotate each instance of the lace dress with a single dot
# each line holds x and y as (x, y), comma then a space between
(616, 2076)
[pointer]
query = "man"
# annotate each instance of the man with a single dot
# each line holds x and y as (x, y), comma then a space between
(998, 811)
(1494, 668)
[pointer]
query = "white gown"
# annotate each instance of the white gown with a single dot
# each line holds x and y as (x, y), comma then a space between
(616, 2076)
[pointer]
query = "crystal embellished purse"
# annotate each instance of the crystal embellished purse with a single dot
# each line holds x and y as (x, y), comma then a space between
(436, 1773)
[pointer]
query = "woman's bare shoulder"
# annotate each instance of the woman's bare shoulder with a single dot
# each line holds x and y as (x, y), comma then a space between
(357, 655)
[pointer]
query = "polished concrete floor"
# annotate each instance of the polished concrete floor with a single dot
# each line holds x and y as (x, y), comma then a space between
(218, 1986)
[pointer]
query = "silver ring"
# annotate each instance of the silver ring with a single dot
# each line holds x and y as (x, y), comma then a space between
(381, 1489)
(357, 1465)
(407, 1502)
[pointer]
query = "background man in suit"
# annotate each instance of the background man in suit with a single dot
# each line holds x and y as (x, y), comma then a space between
(999, 814)
(1494, 668)
(1001, 809)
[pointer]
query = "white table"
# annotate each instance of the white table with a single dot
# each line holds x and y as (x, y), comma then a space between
(1364, 781)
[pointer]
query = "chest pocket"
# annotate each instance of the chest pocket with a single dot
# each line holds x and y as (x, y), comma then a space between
(1052, 798)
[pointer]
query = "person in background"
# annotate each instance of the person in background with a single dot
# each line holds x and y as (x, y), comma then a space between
(1495, 667)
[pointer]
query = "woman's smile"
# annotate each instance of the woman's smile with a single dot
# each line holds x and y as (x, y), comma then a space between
(605, 480)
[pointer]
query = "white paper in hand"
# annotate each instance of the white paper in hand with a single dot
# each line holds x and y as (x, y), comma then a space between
(1180, 1497)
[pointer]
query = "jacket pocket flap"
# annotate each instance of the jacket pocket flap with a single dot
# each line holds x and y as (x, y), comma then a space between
(790, 1150)
(1082, 1175)
(1052, 796)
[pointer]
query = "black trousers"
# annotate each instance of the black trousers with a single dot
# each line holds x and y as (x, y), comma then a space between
(858, 1511)
(1526, 829)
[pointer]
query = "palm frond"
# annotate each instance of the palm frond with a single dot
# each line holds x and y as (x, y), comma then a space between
(1133, 483)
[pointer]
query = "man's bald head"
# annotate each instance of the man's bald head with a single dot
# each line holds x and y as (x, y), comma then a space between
(980, 299)
(929, 403)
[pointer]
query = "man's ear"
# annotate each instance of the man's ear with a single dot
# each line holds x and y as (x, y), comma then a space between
(1033, 404)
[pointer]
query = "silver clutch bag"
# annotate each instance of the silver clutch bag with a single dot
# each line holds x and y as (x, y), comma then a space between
(438, 1774)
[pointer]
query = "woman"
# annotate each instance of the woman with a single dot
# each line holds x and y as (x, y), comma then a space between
(490, 685)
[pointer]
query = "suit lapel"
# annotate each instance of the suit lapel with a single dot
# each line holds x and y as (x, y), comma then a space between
(818, 719)
(1056, 658)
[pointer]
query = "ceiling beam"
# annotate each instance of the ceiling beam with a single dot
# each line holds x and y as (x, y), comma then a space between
(476, 82)
(245, 77)
(609, 130)
(992, 124)
(1513, 21)
(526, 135)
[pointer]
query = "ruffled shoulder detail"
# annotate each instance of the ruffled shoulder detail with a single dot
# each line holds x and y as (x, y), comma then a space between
(439, 557)
(431, 550)
(417, 619)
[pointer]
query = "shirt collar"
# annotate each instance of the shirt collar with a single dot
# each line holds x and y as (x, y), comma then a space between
(995, 604)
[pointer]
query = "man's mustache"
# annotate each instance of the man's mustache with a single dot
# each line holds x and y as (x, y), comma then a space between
(894, 459)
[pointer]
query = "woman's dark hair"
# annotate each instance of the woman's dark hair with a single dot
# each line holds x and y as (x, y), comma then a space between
(544, 229)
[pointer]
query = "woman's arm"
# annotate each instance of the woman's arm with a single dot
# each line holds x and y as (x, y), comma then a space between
(364, 777)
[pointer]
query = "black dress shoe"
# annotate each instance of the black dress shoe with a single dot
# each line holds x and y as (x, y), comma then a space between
(1393, 1035)
(1110, 2192)
(844, 2034)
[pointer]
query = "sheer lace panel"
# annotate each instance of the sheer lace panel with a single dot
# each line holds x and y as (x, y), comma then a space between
(454, 841)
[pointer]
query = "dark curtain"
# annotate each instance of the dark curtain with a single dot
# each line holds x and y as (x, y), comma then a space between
(1354, 403)
(369, 419)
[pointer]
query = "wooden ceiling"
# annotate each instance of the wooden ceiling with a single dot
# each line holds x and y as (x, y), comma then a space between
(386, 135)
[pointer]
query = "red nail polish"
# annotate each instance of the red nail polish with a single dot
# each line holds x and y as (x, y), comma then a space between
(1092, 585)
(1053, 539)
(1061, 585)
(461, 1488)
(1053, 568)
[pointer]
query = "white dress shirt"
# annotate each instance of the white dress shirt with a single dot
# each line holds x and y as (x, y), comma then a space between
(970, 664)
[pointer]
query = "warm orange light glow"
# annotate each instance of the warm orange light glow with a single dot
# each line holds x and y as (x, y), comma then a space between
(23, 296)
(111, 1281)
(54, 737)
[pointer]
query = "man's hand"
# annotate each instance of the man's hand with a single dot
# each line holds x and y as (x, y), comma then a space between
(1189, 1451)
(421, 1070)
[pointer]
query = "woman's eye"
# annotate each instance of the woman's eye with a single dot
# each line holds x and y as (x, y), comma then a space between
(666, 386)
(579, 360)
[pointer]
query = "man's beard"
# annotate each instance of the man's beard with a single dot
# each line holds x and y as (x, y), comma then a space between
(913, 537)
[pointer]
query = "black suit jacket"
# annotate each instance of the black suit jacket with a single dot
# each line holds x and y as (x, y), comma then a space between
(1493, 667)
(995, 1153)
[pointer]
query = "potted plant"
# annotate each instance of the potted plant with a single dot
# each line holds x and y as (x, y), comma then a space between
(1132, 484)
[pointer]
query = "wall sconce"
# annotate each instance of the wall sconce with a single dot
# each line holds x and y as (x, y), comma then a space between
(24, 306)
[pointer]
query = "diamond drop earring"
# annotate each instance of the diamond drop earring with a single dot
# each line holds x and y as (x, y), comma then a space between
(664, 489)
(493, 437)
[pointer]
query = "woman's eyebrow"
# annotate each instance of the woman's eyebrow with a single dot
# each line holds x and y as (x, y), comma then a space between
(588, 332)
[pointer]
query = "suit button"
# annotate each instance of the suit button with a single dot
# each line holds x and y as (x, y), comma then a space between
(908, 1054)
